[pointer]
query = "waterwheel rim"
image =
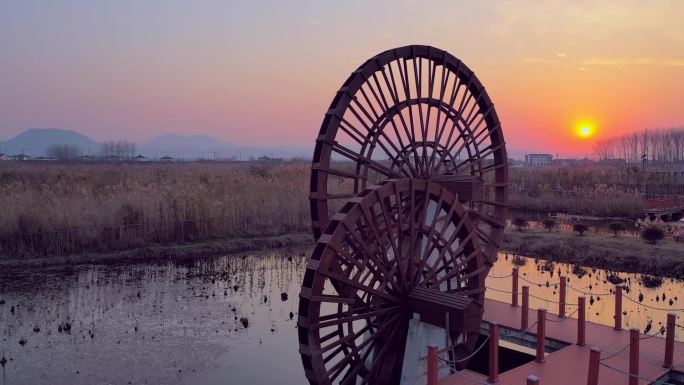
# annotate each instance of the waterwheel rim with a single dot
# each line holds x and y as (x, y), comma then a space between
(411, 112)
(392, 238)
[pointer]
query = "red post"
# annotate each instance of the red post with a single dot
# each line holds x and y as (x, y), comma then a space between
(514, 301)
(618, 308)
(493, 353)
(541, 335)
(581, 321)
(561, 305)
(433, 365)
(669, 340)
(532, 380)
(633, 356)
(525, 307)
(594, 361)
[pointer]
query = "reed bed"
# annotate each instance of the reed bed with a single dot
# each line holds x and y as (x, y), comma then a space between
(70, 208)
(597, 202)
(599, 191)
(63, 209)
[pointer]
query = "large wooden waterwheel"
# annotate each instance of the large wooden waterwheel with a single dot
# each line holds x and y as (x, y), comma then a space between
(412, 154)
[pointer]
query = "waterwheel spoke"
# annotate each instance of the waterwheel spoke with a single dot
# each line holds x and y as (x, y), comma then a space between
(360, 259)
(461, 273)
(439, 128)
(356, 157)
(430, 247)
(416, 113)
(373, 132)
(395, 343)
(344, 341)
(393, 124)
(410, 134)
(338, 319)
(360, 361)
(395, 247)
(349, 282)
(362, 248)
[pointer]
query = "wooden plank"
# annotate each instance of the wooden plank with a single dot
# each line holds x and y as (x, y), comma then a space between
(570, 364)
(465, 377)
(452, 300)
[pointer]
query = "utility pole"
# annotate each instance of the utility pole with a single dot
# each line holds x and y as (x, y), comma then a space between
(643, 176)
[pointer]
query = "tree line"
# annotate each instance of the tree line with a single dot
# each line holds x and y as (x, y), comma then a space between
(658, 145)
(120, 149)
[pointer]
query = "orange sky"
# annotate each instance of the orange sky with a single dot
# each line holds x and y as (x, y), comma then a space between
(265, 72)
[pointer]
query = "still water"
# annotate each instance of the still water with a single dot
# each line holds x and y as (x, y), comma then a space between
(644, 303)
(225, 320)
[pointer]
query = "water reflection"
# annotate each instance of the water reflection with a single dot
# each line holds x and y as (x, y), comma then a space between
(180, 322)
(171, 323)
(597, 286)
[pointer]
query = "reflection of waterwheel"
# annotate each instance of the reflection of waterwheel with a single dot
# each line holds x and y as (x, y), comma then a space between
(413, 145)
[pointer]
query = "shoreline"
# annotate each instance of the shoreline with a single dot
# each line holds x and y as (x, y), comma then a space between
(167, 252)
(626, 254)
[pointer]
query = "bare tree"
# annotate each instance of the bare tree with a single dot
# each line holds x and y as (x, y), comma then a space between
(662, 146)
(119, 149)
(63, 151)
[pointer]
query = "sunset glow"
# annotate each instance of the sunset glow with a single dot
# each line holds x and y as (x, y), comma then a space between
(585, 129)
(232, 69)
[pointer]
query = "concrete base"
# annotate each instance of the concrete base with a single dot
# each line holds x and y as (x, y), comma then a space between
(420, 336)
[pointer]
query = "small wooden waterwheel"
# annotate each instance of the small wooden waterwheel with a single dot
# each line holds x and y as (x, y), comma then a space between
(408, 204)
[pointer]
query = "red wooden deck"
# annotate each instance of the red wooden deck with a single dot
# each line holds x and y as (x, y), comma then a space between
(570, 364)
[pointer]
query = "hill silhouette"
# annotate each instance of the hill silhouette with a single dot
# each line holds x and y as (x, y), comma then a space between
(36, 141)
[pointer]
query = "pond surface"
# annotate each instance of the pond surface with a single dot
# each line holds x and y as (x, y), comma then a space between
(224, 320)
(171, 323)
(641, 305)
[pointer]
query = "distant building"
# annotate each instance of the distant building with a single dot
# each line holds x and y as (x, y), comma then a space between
(4, 156)
(166, 159)
(20, 157)
(514, 163)
(663, 167)
(140, 158)
(565, 162)
(536, 160)
(613, 162)
(585, 162)
(269, 160)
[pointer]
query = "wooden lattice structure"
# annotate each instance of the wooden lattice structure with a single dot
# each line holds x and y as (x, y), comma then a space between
(408, 206)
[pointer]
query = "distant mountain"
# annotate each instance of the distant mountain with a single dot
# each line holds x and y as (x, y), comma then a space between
(172, 141)
(207, 147)
(186, 146)
(35, 141)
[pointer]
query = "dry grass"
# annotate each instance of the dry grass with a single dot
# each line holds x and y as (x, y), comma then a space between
(62, 209)
(629, 254)
(582, 190)
(607, 202)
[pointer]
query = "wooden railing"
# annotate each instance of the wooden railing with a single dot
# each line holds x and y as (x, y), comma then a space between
(595, 360)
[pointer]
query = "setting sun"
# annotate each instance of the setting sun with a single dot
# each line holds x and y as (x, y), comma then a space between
(585, 129)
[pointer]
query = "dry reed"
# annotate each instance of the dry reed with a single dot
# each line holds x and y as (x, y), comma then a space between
(62, 208)
(70, 208)
(583, 190)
